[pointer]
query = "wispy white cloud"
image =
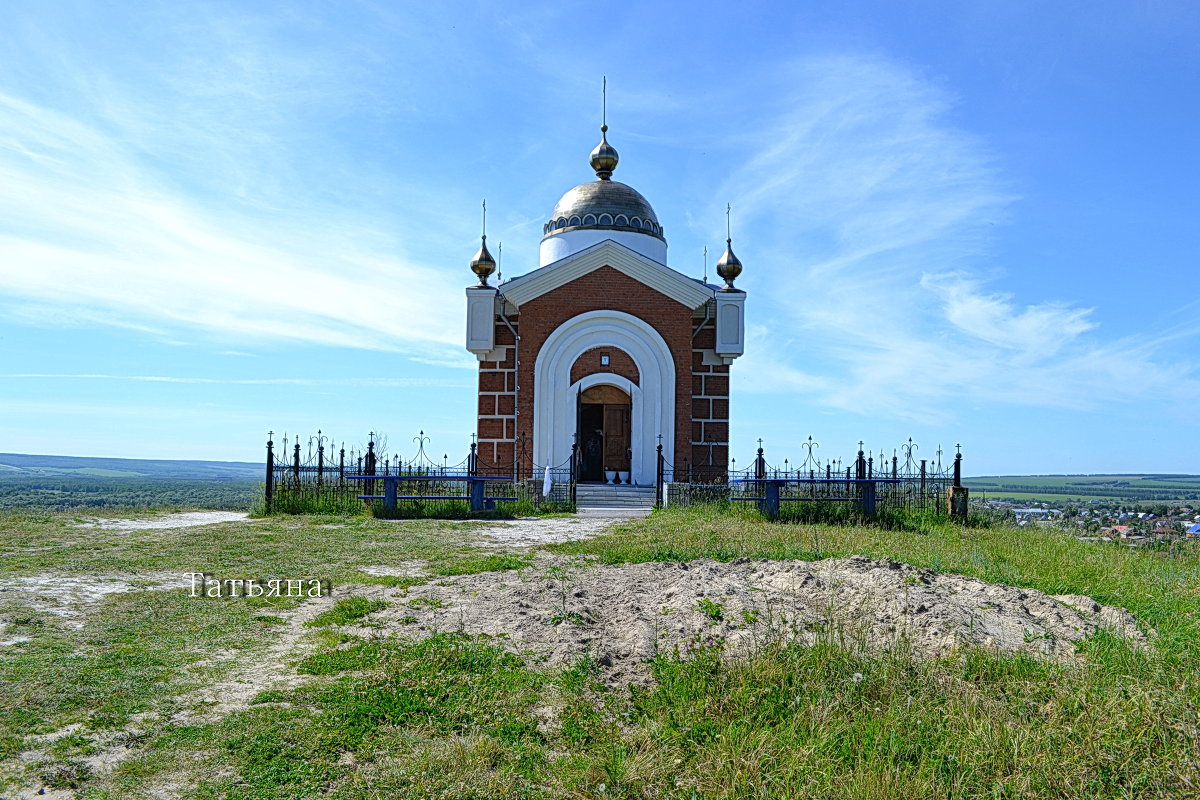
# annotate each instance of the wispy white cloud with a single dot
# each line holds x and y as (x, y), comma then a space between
(1037, 331)
(870, 216)
(94, 231)
(407, 382)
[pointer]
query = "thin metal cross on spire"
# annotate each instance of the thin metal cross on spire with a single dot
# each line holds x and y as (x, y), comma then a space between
(604, 103)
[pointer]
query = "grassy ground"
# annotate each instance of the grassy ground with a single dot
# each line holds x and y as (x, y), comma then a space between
(453, 716)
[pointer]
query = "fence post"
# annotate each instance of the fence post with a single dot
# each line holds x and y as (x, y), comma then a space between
(574, 468)
(923, 498)
(770, 505)
(477, 501)
(370, 467)
(472, 460)
(868, 497)
(389, 494)
(270, 490)
(320, 463)
(296, 466)
(342, 464)
(658, 478)
(956, 495)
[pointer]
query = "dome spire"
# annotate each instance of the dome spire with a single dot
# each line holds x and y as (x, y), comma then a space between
(483, 264)
(729, 267)
(604, 157)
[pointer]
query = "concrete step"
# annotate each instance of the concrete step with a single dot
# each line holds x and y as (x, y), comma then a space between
(627, 500)
(597, 497)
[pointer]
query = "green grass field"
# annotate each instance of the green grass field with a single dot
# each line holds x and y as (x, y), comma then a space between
(1129, 489)
(457, 716)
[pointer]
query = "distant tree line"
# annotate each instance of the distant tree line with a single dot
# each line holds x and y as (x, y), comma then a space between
(63, 493)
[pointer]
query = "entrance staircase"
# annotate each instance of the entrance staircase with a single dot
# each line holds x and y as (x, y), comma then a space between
(620, 500)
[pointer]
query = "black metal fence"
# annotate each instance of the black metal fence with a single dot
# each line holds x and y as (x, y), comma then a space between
(321, 478)
(872, 482)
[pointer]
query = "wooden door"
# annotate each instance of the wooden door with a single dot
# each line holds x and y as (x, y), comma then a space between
(616, 437)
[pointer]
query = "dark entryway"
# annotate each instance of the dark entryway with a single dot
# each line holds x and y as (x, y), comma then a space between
(604, 413)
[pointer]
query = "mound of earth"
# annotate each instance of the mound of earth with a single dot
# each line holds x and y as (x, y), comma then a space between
(558, 610)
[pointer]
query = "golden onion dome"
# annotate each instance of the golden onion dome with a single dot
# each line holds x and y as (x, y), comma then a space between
(604, 158)
(729, 267)
(483, 264)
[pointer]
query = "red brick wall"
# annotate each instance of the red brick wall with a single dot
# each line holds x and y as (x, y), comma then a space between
(609, 289)
(497, 420)
(697, 386)
(619, 363)
(710, 411)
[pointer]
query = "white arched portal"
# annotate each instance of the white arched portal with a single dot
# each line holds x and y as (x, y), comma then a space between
(652, 409)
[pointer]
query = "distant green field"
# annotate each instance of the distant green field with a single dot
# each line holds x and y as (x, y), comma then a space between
(64, 492)
(1114, 488)
(70, 482)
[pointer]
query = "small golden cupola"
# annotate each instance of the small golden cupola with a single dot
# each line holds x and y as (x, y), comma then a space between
(604, 158)
(483, 265)
(729, 267)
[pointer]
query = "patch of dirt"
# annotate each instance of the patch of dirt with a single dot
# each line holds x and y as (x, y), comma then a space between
(268, 668)
(64, 596)
(403, 569)
(187, 519)
(560, 609)
(252, 673)
(109, 749)
(533, 531)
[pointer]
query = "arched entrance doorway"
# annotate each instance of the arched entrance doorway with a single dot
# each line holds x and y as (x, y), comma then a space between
(556, 397)
(604, 434)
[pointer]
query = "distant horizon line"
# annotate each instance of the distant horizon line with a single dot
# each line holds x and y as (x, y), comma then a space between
(260, 463)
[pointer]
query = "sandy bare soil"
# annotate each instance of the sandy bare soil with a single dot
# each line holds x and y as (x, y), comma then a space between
(560, 609)
(187, 519)
(533, 531)
(65, 596)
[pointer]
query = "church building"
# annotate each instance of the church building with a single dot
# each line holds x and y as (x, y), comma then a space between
(604, 346)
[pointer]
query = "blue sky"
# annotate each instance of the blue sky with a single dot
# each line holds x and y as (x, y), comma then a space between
(962, 222)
